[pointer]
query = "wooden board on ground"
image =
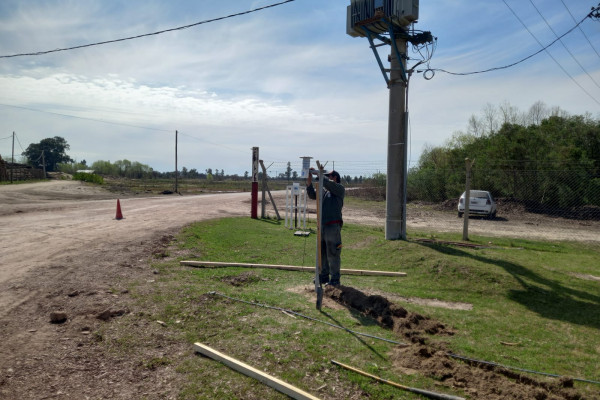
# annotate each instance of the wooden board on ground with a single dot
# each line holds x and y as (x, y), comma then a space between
(246, 369)
(215, 264)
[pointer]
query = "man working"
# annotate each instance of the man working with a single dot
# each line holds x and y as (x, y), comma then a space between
(331, 226)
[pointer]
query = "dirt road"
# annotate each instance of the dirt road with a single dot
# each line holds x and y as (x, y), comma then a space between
(61, 248)
(63, 223)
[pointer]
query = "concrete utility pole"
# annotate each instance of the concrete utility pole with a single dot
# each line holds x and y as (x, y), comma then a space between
(395, 222)
(176, 173)
(385, 23)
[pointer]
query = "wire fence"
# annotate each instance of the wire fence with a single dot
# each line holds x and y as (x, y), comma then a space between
(546, 203)
(351, 171)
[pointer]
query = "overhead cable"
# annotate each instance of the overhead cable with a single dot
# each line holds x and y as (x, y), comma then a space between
(516, 62)
(581, 30)
(85, 118)
(39, 53)
(561, 42)
(212, 143)
(19, 142)
(547, 52)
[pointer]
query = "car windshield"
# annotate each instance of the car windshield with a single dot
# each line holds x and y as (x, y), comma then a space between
(478, 194)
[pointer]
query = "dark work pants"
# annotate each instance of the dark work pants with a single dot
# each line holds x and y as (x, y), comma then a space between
(331, 249)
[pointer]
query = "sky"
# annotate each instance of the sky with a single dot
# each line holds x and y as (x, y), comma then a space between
(286, 79)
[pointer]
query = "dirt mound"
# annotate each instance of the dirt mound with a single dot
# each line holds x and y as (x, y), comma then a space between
(433, 359)
(59, 175)
(587, 213)
(389, 315)
(448, 205)
(480, 381)
(243, 279)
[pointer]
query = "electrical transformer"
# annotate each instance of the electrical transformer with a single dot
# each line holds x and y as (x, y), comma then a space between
(369, 13)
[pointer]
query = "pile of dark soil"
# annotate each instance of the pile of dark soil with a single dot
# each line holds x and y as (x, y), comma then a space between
(412, 326)
(431, 358)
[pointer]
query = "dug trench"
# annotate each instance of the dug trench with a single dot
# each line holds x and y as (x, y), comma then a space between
(433, 359)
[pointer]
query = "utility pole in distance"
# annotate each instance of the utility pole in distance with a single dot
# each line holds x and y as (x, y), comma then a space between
(12, 166)
(387, 22)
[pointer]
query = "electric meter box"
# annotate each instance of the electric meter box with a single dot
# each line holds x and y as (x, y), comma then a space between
(369, 12)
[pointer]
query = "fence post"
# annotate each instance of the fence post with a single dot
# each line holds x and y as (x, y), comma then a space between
(254, 194)
(263, 212)
(468, 165)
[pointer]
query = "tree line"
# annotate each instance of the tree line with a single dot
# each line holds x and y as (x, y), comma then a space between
(543, 156)
(51, 153)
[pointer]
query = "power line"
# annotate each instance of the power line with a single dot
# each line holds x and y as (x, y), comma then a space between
(19, 142)
(39, 53)
(547, 52)
(116, 123)
(581, 30)
(561, 42)
(517, 62)
(212, 143)
(87, 119)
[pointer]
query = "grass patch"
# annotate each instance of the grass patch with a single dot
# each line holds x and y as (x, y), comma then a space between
(526, 293)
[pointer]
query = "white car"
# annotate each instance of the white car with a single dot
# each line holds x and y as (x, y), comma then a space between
(482, 203)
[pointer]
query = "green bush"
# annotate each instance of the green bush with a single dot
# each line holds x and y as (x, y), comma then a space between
(86, 177)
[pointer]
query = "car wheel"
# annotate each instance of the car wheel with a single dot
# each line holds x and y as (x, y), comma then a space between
(460, 214)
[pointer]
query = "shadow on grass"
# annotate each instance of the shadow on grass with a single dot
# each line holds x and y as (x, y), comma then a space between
(272, 221)
(546, 297)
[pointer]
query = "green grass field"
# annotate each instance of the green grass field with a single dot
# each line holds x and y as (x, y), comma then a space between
(540, 298)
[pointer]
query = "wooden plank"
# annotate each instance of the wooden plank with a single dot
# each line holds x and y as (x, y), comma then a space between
(215, 264)
(246, 369)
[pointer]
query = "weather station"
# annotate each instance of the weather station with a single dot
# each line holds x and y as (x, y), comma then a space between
(390, 23)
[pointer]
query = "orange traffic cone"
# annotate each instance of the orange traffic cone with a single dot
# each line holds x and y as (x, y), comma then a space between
(119, 214)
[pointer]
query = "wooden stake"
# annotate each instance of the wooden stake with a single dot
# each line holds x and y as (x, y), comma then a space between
(246, 369)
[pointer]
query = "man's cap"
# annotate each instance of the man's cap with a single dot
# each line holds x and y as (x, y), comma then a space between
(335, 174)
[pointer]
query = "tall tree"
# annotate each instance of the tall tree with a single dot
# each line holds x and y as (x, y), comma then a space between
(537, 113)
(54, 152)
